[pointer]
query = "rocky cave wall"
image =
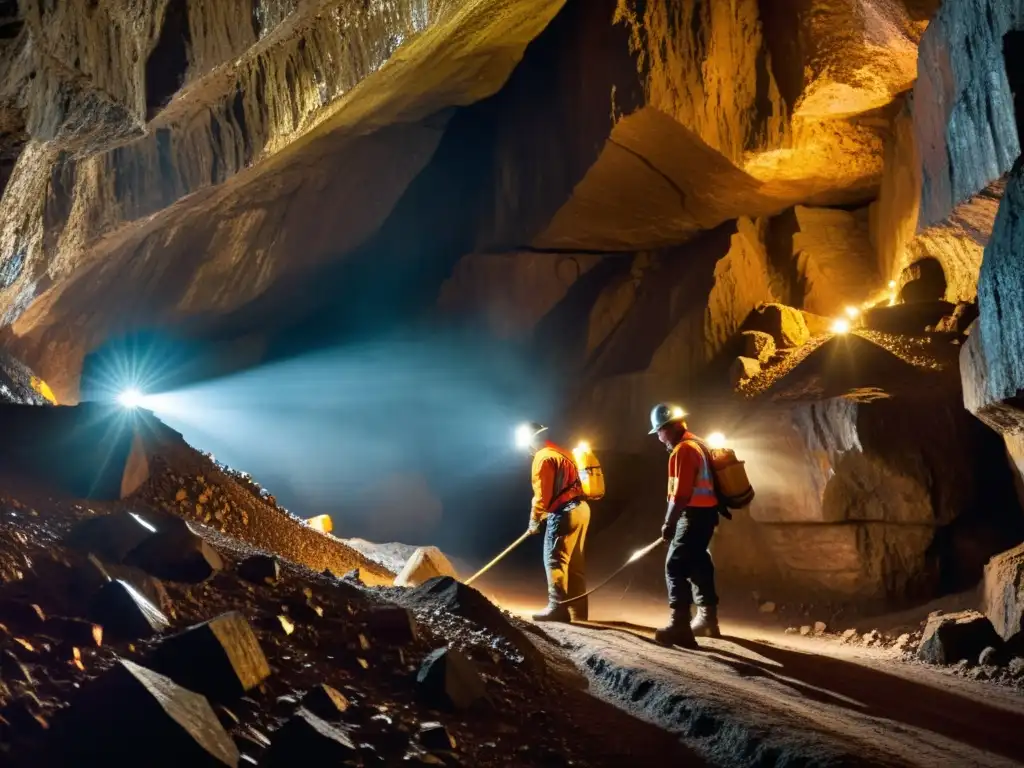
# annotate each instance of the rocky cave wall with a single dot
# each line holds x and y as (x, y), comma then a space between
(613, 184)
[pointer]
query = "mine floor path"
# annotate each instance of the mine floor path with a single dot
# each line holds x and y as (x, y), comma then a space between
(784, 701)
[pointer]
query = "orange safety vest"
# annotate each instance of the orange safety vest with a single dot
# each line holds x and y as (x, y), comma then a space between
(703, 495)
(565, 485)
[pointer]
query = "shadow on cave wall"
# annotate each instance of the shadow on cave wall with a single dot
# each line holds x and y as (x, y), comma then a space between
(1013, 58)
(504, 166)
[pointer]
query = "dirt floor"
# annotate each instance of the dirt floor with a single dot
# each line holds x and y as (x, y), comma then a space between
(598, 694)
(764, 697)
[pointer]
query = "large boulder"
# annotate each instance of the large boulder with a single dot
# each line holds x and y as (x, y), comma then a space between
(1004, 592)
(949, 638)
(784, 324)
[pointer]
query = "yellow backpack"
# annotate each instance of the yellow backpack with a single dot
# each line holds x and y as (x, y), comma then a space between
(591, 474)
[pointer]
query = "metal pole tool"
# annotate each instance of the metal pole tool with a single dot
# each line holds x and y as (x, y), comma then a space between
(640, 553)
(496, 560)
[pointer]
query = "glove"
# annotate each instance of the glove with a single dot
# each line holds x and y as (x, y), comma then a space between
(668, 530)
(534, 527)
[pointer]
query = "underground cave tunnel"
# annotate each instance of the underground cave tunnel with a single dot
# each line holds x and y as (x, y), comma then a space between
(336, 251)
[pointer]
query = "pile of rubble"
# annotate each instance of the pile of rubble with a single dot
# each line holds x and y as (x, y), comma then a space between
(130, 636)
(963, 642)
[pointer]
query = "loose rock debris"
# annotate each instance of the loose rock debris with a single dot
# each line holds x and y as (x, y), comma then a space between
(114, 658)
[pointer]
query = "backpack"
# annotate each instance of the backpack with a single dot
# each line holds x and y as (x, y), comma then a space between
(732, 485)
(591, 474)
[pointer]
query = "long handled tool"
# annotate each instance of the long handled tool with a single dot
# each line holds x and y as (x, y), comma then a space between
(640, 553)
(496, 560)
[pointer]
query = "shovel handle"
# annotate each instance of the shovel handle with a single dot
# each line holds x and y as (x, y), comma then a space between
(496, 560)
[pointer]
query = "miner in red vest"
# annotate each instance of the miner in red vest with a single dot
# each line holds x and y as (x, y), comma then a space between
(558, 498)
(690, 522)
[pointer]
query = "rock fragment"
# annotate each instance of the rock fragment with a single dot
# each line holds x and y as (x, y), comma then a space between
(742, 370)
(109, 537)
(1004, 591)
(307, 736)
(75, 631)
(220, 658)
(448, 680)
(260, 569)
(989, 656)
(424, 564)
(20, 615)
(952, 637)
(435, 737)
(784, 324)
(758, 345)
(176, 554)
(134, 716)
(125, 613)
(325, 702)
(392, 626)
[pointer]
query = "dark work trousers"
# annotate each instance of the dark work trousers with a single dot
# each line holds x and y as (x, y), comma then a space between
(564, 543)
(690, 561)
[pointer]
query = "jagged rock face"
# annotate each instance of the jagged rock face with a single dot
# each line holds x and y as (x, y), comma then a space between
(957, 241)
(964, 117)
(186, 177)
(991, 365)
(994, 369)
(232, 237)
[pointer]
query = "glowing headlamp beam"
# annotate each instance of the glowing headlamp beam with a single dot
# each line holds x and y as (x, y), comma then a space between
(130, 398)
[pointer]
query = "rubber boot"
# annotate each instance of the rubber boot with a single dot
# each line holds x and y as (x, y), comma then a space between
(579, 611)
(705, 623)
(677, 632)
(554, 612)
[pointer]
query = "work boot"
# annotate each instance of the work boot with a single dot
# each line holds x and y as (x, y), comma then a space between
(705, 623)
(578, 610)
(554, 612)
(677, 632)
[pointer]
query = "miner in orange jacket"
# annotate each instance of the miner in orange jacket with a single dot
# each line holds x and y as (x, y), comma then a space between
(690, 522)
(558, 498)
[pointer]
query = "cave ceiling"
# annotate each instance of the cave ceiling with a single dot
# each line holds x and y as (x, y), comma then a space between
(194, 162)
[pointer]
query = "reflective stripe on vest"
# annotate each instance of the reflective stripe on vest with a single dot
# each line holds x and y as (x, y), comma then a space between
(704, 487)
